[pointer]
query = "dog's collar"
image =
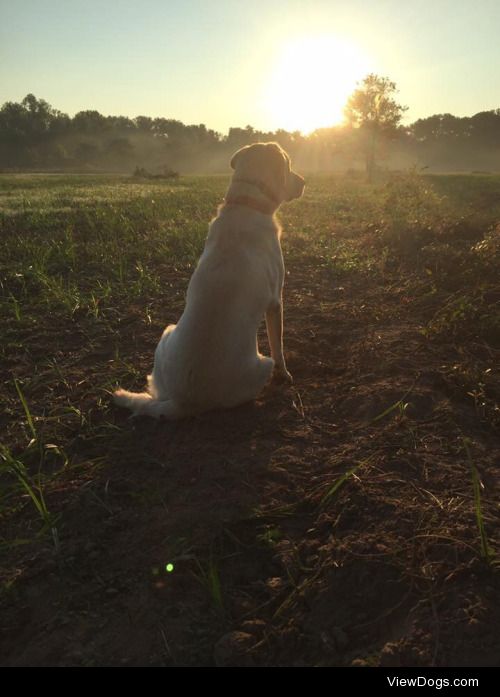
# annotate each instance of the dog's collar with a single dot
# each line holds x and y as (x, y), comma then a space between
(263, 188)
(250, 202)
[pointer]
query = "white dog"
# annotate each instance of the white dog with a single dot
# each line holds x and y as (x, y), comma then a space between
(210, 359)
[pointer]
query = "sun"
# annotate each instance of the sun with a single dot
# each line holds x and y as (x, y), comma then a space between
(312, 78)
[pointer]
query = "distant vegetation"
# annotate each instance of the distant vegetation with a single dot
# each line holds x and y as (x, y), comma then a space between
(35, 136)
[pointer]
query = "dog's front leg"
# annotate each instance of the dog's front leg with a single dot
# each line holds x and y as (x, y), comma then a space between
(274, 325)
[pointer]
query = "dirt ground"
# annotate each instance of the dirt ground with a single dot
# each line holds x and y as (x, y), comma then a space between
(307, 529)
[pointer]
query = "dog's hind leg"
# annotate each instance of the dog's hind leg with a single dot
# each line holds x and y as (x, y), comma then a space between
(254, 382)
(156, 401)
(168, 409)
(157, 386)
(265, 367)
(143, 404)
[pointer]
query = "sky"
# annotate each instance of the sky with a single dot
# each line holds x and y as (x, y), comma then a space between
(268, 63)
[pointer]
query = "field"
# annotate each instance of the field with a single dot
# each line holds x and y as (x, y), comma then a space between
(349, 519)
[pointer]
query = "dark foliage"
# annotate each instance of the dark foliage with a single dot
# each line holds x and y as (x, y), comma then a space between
(35, 136)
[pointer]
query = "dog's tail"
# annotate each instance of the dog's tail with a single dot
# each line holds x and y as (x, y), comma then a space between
(144, 404)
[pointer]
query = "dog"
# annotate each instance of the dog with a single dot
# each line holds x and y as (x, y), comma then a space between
(210, 358)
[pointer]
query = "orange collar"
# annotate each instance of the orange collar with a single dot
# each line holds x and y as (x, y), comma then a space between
(263, 188)
(262, 206)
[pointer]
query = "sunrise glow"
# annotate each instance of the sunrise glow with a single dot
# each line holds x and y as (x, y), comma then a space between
(311, 79)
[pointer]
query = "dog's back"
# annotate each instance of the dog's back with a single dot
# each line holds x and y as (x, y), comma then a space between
(213, 344)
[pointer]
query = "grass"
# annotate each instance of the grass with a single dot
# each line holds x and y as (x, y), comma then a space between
(26, 409)
(399, 405)
(487, 553)
(90, 245)
(32, 485)
(341, 481)
(79, 254)
(33, 488)
(91, 270)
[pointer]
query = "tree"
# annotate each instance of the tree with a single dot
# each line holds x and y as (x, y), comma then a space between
(89, 121)
(27, 131)
(441, 127)
(119, 152)
(144, 123)
(373, 111)
(87, 153)
(485, 128)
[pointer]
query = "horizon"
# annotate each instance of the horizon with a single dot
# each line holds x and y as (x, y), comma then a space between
(224, 134)
(236, 65)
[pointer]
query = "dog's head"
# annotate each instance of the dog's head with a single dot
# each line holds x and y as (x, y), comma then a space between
(267, 166)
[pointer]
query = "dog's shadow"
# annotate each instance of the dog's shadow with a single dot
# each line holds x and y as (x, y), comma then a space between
(210, 468)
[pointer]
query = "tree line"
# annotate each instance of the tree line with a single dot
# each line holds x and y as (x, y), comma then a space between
(36, 136)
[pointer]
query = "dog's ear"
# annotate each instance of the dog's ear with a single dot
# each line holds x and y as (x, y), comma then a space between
(279, 165)
(237, 155)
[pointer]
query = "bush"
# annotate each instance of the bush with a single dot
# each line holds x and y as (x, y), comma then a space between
(166, 173)
(411, 210)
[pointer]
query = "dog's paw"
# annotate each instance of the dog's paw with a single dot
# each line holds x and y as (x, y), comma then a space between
(282, 375)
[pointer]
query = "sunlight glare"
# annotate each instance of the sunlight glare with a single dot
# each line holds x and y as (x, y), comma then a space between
(311, 81)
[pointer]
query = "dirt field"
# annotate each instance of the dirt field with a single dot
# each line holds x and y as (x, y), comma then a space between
(334, 522)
